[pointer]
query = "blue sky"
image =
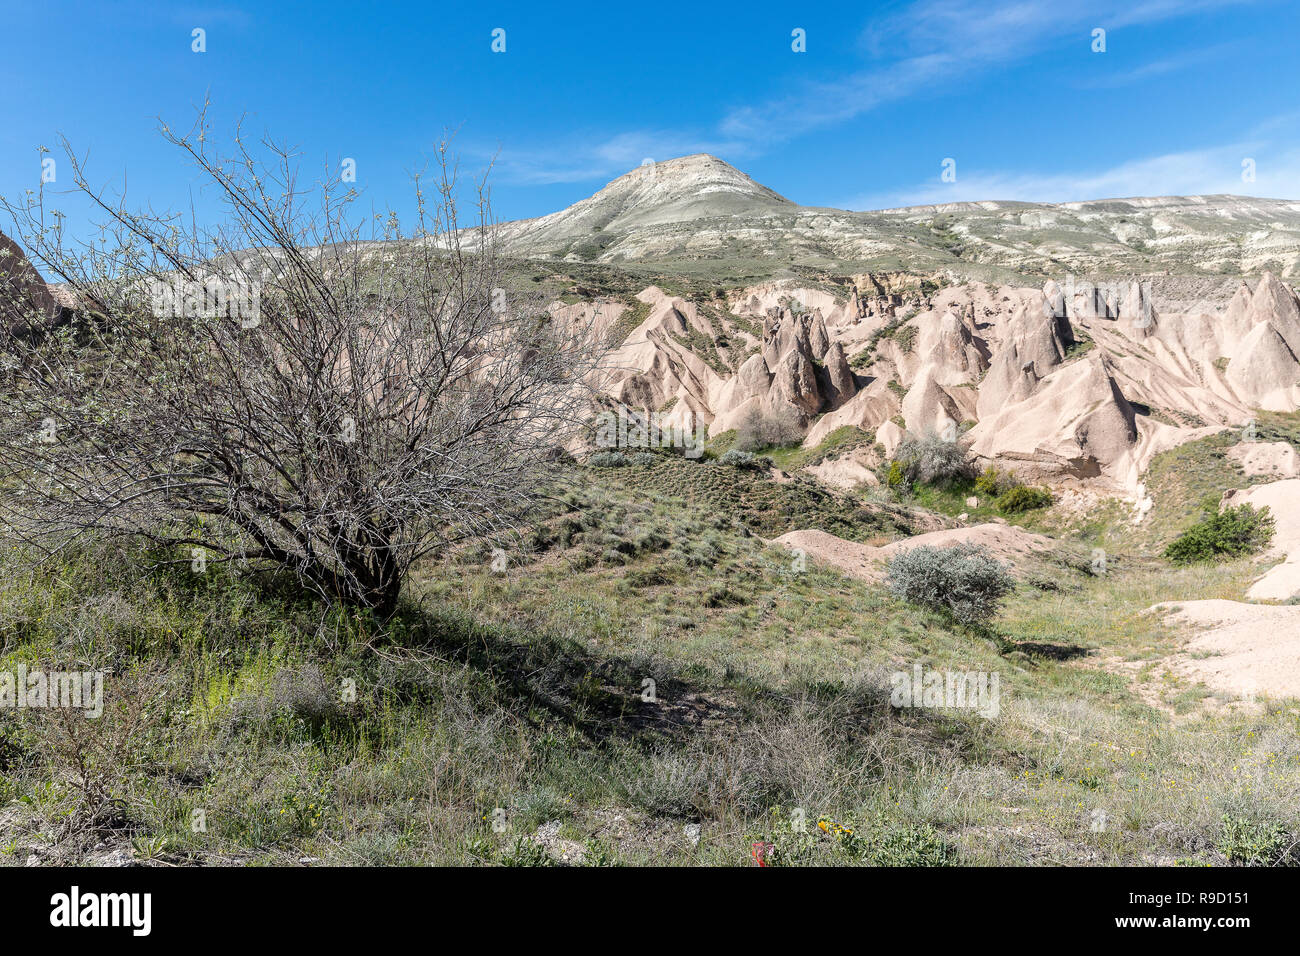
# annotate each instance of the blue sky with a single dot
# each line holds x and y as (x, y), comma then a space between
(1012, 91)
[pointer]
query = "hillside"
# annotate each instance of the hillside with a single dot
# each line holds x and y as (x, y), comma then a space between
(699, 213)
(681, 654)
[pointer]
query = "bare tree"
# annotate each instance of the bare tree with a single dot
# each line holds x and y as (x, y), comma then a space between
(283, 388)
(759, 428)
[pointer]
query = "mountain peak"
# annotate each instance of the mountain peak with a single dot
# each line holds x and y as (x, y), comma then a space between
(699, 186)
(683, 189)
(702, 172)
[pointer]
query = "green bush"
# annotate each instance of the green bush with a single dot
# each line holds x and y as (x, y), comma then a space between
(1223, 534)
(1023, 498)
(965, 580)
(912, 845)
(1253, 843)
(992, 483)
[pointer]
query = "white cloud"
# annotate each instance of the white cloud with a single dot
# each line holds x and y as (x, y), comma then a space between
(1194, 172)
(926, 46)
(944, 42)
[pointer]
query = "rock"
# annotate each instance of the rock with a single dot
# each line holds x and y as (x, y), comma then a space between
(890, 437)
(1275, 303)
(869, 408)
(1003, 541)
(1239, 648)
(848, 471)
(752, 380)
(1282, 498)
(796, 384)
(818, 340)
(1078, 417)
(24, 298)
(116, 858)
(1001, 358)
(1035, 344)
(1264, 370)
(927, 407)
(840, 385)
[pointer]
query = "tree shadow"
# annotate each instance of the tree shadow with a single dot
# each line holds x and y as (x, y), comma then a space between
(600, 696)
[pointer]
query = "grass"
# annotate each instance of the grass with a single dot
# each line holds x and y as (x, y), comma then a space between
(765, 507)
(792, 458)
(646, 683)
(631, 317)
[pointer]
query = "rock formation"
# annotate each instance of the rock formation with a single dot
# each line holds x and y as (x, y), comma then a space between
(1086, 382)
(24, 297)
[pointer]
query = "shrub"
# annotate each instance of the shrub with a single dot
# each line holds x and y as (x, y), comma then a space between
(608, 459)
(992, 483)
(1228, 533)
(1252, 843)
(931, 459)
(965, 580)
(737, 458)
(643, 458)
(912, 845)
(744, 459)
(304, 692)
(1023, 498)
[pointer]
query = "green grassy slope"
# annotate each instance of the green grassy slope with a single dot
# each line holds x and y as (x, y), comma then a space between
(645, 666)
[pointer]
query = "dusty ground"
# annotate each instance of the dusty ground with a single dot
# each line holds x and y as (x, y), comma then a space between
(1270, 459)
(1282, 498)
(1238, 648)
(1004, 542)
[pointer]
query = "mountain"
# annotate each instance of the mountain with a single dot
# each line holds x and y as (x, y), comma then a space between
(1070, 342)
(699, 212)
(662, 197)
